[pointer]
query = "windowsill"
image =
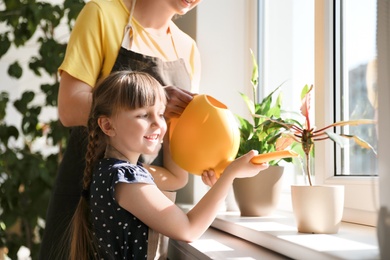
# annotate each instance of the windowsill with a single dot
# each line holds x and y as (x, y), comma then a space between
(278, 233)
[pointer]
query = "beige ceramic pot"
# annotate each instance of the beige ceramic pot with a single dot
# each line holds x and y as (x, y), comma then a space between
(259, 195)
(318, 209)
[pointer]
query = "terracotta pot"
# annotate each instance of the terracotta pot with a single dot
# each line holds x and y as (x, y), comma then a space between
(206, 136)
(318, 209)
(259, 195)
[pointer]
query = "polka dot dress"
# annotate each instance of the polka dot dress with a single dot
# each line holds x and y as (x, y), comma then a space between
(120, 235)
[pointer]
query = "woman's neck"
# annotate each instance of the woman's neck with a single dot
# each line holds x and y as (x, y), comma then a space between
(154, 16)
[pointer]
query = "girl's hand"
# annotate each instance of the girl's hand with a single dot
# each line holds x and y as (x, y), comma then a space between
(243, 168)
(209, 177)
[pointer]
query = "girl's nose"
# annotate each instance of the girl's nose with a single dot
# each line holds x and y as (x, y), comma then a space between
(159, 121)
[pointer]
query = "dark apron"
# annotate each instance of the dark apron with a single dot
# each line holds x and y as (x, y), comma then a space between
(67, 189)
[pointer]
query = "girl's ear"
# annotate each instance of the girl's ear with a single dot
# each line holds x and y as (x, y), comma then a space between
(106, 126)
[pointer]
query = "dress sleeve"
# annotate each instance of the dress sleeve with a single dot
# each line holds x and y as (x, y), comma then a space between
(128, 173)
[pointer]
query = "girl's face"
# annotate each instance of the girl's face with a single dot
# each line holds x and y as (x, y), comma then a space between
(138, 131)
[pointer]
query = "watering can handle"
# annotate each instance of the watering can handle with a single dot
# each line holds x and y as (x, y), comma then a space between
(266, 157)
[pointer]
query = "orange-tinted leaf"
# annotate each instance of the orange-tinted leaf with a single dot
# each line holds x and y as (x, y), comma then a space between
(360, 142)
(354, 122)
(305, 105)
(283, 142)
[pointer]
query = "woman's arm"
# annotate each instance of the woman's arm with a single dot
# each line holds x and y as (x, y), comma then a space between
(171, 177)
(74, 101)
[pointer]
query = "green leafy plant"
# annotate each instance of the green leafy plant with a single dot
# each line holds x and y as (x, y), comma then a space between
(27, 170)
(308, 135)
(257, 134)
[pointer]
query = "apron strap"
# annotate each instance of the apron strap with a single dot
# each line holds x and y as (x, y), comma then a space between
(128, 35)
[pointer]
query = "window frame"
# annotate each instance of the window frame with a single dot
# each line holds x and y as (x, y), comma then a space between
(361, 192)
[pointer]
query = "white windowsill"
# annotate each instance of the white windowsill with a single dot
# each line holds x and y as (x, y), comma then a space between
(278, 233)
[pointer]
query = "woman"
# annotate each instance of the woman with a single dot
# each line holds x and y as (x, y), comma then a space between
(110, 35)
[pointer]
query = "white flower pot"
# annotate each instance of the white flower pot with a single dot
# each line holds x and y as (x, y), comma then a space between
(318, 209)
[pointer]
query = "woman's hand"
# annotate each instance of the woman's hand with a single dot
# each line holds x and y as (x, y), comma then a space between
(178, 100)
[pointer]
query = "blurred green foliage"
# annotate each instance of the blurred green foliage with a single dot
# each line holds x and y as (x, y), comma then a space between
(27, 174)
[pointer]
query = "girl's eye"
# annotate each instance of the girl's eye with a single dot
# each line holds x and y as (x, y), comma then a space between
(143, 116)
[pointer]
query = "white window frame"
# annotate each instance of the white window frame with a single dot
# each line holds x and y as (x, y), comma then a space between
(361, 193)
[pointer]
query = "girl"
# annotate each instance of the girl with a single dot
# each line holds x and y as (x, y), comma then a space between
(120, 201)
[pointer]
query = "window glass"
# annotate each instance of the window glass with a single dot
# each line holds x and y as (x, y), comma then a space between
(355, 86)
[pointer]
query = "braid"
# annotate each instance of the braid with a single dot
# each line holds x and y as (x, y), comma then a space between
(83, 244)
(95, 150)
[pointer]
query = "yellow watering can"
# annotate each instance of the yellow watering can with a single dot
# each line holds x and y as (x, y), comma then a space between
(206, 136)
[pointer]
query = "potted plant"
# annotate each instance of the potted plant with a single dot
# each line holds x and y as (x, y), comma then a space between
(317, 208)
(259, 195)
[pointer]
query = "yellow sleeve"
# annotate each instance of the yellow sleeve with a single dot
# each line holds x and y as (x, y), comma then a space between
(84, 54)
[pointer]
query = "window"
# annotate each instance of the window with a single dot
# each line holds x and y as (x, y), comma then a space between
(297, 45)
(335, 76)
(356, 81)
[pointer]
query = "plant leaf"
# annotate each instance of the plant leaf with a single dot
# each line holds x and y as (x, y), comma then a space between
(354, 122)
(283, 142)
(305, 105)
(336, 138)
(350, 123)
(249, 103)
(255, 71)
(360, 142)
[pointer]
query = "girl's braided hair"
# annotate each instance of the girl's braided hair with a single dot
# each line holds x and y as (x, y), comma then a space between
(120, 90)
